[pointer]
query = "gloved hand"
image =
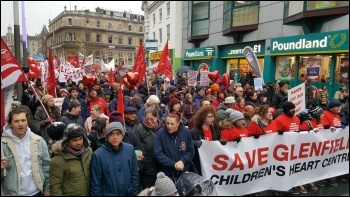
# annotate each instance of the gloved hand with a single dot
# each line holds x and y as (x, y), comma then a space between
(327, 127)
(237, 140)
(280, 132)
(343, 126)
(198, 143)
(256, 136)
(222, 142)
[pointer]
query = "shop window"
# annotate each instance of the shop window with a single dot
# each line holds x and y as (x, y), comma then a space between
(316, 5)
(236, 68)
(342, 69)
(293, 7)
(199, 19)
(314, 68)
(285, 68)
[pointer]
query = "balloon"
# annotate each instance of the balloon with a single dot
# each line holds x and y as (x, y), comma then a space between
(225, 80)
(31, 75)
(37, 70)
(89, 81)
(214, 75)
(127, 84)
(32, 67)
(133, 77)
(30, 60)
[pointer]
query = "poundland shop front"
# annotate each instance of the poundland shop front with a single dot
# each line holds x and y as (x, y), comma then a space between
(322, 58)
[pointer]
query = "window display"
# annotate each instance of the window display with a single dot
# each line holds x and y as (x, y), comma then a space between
(342, 69)
(314, 68)
(285, 68)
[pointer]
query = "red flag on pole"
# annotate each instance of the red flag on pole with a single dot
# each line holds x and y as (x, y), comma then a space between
(51, 81)
(120, 105)
(3, 115)
(140, 65)
(111, 77)
(74, 61)
(164, 64)
(11, 71)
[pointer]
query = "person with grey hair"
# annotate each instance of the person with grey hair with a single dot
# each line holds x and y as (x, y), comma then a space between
(15, 104)
(152, 101)
(118, 155)
(164, 186)
(238, 128)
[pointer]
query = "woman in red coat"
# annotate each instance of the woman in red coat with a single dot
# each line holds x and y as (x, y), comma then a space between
(262, 123)
(238, 129)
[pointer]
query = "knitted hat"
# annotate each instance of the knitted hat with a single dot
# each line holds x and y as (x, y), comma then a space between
(17, 103)
(230, 99)
(55, 130)
(214, 87)
(173, 101)
(116, 116)
(143, 89)
(199, 88)
(333, 103)
(236, 115)
(63, 90)
(172, 89)
(115, 126)
(164, 186)
(73, 130)
(287, 106)
(315, 110)
(130, 109)
(46, 98)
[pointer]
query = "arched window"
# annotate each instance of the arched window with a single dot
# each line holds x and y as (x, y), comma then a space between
(141, 29)
(98, 24)
(110, 26)
(129, 27)
(120, 27)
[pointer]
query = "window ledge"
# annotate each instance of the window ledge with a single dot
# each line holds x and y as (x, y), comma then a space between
(239, 29)
(316, 14)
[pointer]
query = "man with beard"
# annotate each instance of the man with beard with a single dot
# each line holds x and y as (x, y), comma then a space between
(288, 121)
(94, 99)
(70, 167)
(281, 96)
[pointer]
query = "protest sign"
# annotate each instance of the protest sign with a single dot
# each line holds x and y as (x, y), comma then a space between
(58, 102)
(192, 78)
(76, 74)
(258, 84)
(204, 79)
(296, 95)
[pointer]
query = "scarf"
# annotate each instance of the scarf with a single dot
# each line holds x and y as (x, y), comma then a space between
(150, 126)
(76, 153)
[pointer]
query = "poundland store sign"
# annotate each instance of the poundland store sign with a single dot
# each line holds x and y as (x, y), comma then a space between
(327, 42)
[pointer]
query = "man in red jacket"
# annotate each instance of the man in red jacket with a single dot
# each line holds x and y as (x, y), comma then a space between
(94, 99)
(287, 121)
(330, 115)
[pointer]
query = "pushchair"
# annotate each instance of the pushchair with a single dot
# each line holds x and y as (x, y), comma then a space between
(192, 184)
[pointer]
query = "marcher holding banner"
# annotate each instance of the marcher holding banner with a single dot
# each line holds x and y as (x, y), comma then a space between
(287, 122)
(236, 126)
(262, 123)
(331, 117)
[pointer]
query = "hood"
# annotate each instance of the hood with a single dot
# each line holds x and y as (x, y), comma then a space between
(221, 106)
(57, 146)
(185, 101)
(8, 133)
(197, 96)
(255, 118)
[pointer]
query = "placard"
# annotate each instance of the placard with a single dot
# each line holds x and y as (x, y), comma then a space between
(296, 95)
(204, 79)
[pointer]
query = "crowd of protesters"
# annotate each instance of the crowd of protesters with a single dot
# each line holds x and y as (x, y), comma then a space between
(87, 147)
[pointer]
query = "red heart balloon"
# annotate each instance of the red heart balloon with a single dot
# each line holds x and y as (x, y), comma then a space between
(225, 80)
(89, 81)
(30, 60)
(127, 84)
(214, 75)
(133, 77)
(32, 67)
(31, 75)
(37, 70)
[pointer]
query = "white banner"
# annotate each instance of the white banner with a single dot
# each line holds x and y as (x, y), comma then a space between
(296, 95)
(59, 102)
(76, 74)
(275, 162)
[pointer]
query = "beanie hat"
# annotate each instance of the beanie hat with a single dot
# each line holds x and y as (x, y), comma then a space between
(214, 87)
(333, 102)
(17, 103)
(236, 115)
(116, 116)
(315, 110)
(198, 88)
(63, 90)
(287, 106)
(173, 101)
(46, 98)
(164, 186)
(153, 91)
(172, 89)
(55, 130)
(281, 84)
(73, 130)
(115, 126)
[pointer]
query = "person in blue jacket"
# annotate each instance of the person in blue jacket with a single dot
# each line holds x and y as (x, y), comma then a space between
(174, 148)
(73, 96)
(114, 166)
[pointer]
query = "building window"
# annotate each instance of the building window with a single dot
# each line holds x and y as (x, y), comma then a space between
(240, 13)
(130, 59)
(318, 5)
(87, 37)
(154, 35)
(110, 39)
(110, 26)
(141, 41)
(120, 27)
(120, 40)
(120, 58)
(97, 55)
(341, 69)
(141, 29)
(199, 19)
(160, 15)
(129, 28)
(154, 19)
(98, 24)
(130, 41)
(168, 32)
(70, 21)
(160, 35)
(110, 56)
(71, 36)
(168, 8)
(98, 38)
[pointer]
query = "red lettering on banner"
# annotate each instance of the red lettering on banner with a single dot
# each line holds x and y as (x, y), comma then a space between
(337, 144)
(218, 159)
(325, 147)
(251, 160)
(304, 147)
(315, 149)
(237, 163)
(347, 145)
(262, 155)
(292, 156)
(283, 156)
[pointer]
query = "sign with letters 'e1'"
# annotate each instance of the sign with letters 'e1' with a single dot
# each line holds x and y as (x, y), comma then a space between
(275, 162)
(296, 95)
(249, 54)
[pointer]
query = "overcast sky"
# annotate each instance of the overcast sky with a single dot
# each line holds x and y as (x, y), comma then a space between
(38, 13)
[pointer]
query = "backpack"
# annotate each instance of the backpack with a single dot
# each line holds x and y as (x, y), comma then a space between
(305, 116)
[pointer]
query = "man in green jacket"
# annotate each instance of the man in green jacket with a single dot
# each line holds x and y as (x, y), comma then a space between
(70, 166)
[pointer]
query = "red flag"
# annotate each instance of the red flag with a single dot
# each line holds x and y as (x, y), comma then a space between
(11, 71)
(164, 65)
(74, 61)
(3, 115)
(140, 65)
(120, 105)
(122, 64)
(111, 77)
(51, 81)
